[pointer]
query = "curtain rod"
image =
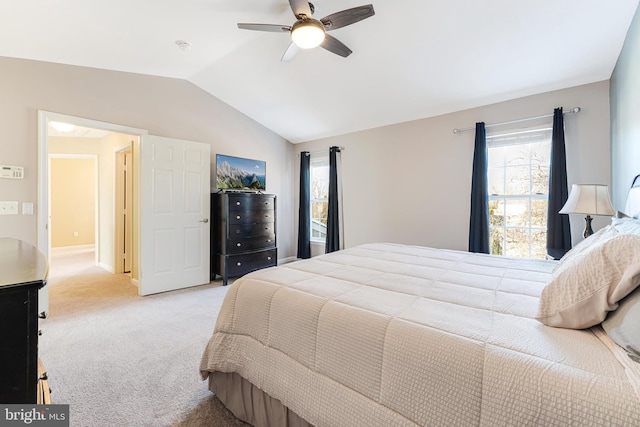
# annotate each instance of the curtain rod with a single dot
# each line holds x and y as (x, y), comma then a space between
(571, 111)
(323, 151)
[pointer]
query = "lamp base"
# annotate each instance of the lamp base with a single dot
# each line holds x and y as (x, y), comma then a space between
(588, 231)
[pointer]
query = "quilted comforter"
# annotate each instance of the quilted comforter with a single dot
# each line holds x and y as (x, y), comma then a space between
(394, 335)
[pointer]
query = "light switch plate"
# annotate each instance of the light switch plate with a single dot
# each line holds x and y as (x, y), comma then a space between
(8, 208)
(27, 208)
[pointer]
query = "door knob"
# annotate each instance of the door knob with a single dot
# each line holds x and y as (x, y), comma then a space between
(205, 220)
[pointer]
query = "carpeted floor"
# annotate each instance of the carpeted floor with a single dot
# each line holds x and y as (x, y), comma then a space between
(122, 360)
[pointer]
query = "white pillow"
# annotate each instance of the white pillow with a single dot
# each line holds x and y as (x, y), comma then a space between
(626, 225)
(584, 245)
(591, 280)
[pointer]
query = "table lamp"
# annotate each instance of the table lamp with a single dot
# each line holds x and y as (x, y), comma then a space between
(588, 199)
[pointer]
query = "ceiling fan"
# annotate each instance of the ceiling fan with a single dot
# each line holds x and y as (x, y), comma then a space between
(308, 32)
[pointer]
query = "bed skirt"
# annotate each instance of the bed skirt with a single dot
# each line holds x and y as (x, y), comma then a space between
(250, 404)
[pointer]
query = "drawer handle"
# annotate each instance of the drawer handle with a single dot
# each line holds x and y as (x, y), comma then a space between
(268, 240)
(237, 231)
(268, 258)
(238, 264)
(238, 244)
(42, 315)
(44, 376)
(237, 203)
(237, 216)
(39, 332)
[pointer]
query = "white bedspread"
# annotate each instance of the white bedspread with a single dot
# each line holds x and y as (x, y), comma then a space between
(393, 335)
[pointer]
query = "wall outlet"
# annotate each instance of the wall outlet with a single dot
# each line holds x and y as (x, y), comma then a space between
(8, 208)
(75, 234)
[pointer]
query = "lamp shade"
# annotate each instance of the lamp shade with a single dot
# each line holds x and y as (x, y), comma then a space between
(588, 199)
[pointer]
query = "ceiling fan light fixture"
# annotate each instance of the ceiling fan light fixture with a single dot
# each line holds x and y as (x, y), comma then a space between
(307, 34)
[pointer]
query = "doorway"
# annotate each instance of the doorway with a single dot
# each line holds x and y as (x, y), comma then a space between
(84, 137)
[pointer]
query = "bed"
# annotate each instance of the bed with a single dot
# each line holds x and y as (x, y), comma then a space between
(395, 335)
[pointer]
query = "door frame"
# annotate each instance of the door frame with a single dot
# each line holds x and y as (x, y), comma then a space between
(124, 196)
(42, 220)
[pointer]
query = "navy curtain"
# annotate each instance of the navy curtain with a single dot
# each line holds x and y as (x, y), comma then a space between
(479, 220)
(558, 228)
(333, 216)
(304, 209)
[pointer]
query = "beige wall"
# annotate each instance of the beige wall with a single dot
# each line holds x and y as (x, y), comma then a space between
(165, 107)
(411, 182)
(625, 115)
(72, 201)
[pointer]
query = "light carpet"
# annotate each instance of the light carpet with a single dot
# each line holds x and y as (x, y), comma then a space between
(122, 360)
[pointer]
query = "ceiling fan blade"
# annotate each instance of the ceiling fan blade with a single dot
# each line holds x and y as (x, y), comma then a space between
(265, 27)
(334, 45)
(300, 7)
(290, 53)
(347, 17)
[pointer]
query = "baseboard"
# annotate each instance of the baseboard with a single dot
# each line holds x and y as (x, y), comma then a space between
(106, 267)
(77, 249)
(287, 260)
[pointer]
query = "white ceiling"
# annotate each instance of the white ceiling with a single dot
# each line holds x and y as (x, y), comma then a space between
(413, 59)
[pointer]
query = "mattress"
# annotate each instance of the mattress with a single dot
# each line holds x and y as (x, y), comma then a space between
(388, 334)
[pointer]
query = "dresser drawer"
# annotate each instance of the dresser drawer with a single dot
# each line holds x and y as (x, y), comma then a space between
(238, 245)
(252, 217)
(240, 264)
(245, 202)
(251, 230)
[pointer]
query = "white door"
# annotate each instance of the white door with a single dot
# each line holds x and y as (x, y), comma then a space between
(174, 214)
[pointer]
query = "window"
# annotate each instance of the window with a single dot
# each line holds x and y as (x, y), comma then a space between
(319, 198)
(518, 180)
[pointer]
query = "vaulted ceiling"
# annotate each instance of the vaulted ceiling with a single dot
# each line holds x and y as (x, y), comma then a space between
(412, 59)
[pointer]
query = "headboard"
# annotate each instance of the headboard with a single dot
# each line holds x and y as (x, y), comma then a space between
(632, 207)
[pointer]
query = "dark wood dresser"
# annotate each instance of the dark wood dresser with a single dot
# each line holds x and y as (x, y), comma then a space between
(23, 271)
(243, 233)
